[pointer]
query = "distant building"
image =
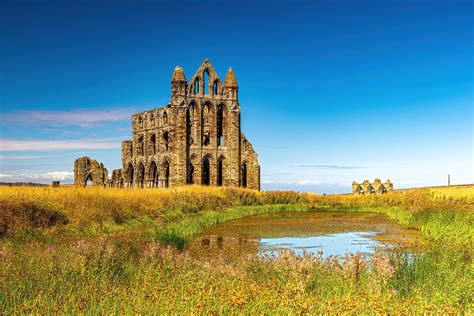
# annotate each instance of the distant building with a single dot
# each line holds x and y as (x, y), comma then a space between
(377, 187)
(195, 139)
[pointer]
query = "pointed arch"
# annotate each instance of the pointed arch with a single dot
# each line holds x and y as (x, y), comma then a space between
(206, 171)
(153, 174)
(205, 82)
(243, 175)
(129, 175)
(165, 172)
(215, 87)
(140, 175)
(165, 118)
(166, 141)
(152, 144)
(196, 85)
(206, 120)
(221, 123)
(191, 170)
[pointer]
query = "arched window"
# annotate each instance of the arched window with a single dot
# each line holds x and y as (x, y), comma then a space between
(219, 172)
(141, 146)
(140, 122)
(88, 181)
(153, 175)
(152, 144)
(206, 171)
(196, 86)
(166, 140)
(220, 125)
(190, 178)
(205, 76)
(130, 175)
(206, 125)
(214, 87)
(244, 145)
(141, 175)
(152, 119)
(166, 174)
(165, 118)
(244, 175)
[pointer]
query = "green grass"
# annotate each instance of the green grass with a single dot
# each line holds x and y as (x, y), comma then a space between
(119, 252)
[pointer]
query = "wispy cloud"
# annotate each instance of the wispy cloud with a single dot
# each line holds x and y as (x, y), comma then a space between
(328, 167)
(8, 145)
(39, 177)
(21, 157)
(77, 117)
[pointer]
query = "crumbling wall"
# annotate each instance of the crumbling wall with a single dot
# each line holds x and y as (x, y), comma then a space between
(89, 172)
(376, 187)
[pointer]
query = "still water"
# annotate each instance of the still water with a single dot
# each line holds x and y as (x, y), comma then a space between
(321, 233)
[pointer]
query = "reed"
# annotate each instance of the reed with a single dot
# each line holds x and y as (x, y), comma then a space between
(124, 251)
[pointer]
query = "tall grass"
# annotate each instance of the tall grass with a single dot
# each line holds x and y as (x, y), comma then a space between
(124, 251)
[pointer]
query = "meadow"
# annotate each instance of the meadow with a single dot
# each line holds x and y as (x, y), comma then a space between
(98, 250)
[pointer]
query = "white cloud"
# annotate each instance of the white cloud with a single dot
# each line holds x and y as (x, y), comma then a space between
(46, 145)
(267, 182)
(78, 117)
(304, 182)
(20, 157)
(39, 177)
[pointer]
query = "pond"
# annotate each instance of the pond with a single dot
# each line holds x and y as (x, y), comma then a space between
(321, 233)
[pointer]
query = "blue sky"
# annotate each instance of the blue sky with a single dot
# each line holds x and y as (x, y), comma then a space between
(330, 91)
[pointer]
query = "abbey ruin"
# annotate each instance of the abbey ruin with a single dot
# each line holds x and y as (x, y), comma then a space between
(377, 187)
(195, 139)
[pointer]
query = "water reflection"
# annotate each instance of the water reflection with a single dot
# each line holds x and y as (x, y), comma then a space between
(319, 233)
(338, 244)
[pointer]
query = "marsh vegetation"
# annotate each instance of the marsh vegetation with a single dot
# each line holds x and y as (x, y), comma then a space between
(106, 251)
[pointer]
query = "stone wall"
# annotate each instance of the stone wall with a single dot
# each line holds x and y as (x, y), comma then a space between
(89, 172)
(195, 139)
(376, 187)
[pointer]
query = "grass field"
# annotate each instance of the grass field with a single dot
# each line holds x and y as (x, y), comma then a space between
(124, 251)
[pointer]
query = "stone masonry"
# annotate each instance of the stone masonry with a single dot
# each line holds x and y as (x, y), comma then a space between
(195, 139)
(377, 187)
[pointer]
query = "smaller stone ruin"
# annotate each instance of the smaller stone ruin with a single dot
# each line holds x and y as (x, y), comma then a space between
(377, 187)
(89, 172)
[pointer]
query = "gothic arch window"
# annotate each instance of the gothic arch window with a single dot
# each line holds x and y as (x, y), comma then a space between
(141, 175)
(166, 139)
(206, 125)
(220, 125)
(190, 173)
(244, 145)
(141, 146)
(130, 175)
(152, 119)
(166, 173)
(165, 118)
(220, 172)
(215, 87)
(196, 86)
(153, 175)
(140, 122)
(205, 76)
(152, 144)
(244, 175)
(88, 181)
(206, 171)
